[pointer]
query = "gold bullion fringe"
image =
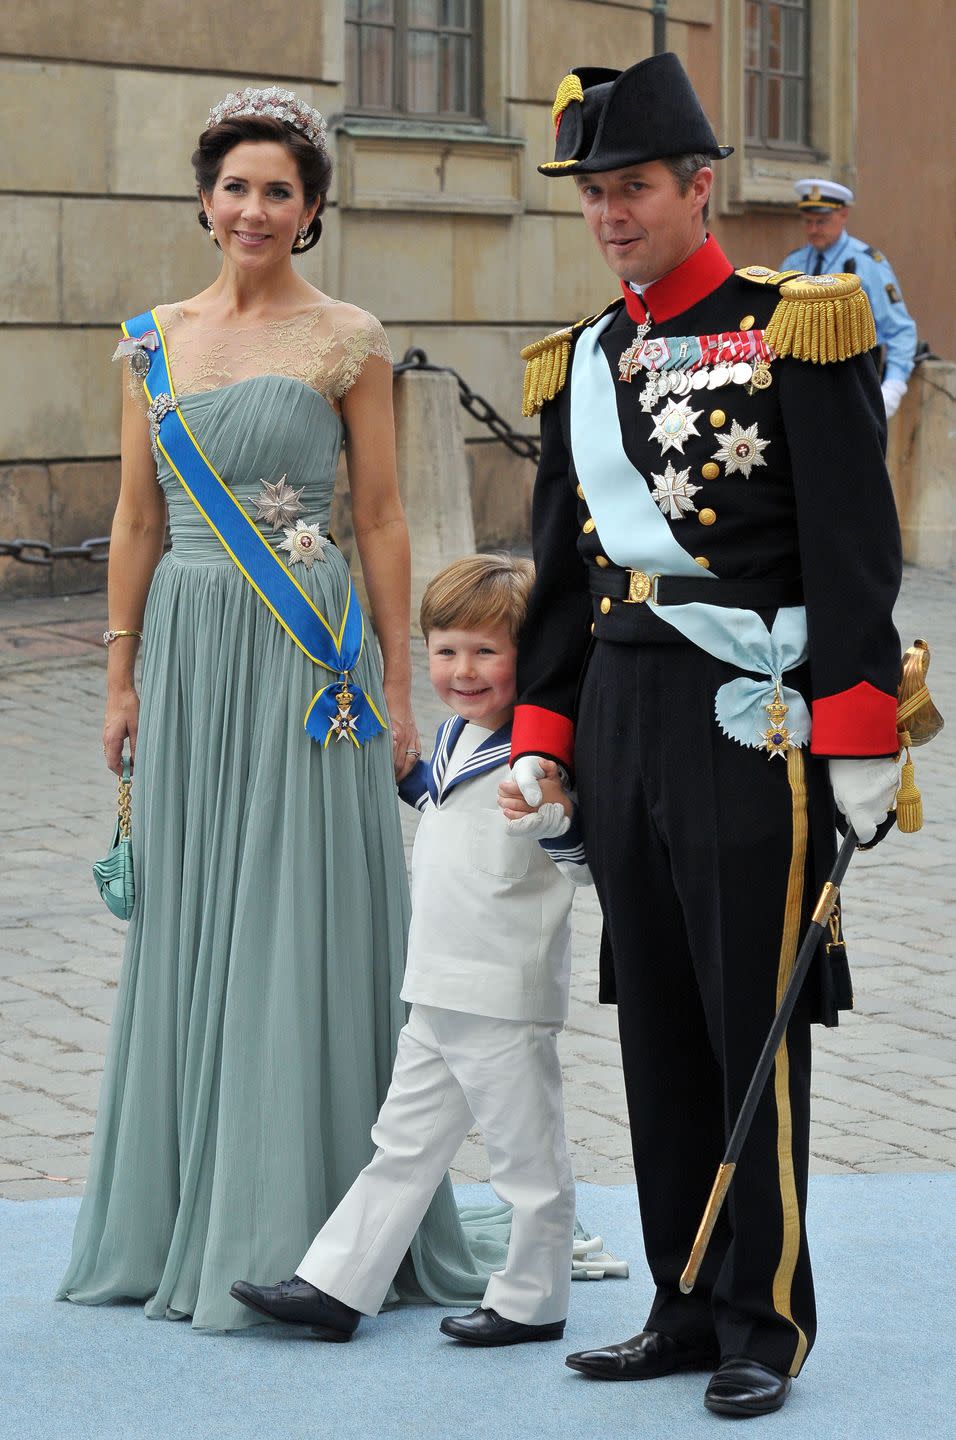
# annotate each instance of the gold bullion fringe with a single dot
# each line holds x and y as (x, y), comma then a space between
(820, 321)
(786, 1267)
(546, 370)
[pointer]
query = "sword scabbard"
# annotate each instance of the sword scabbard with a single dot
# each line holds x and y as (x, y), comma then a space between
(721, 1185)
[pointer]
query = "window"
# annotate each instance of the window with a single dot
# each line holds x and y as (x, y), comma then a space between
(418, 58)
(776, 74)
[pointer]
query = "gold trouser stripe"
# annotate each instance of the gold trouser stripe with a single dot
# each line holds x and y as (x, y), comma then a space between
(783, 1279)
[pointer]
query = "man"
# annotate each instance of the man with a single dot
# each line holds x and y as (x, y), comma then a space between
(709, 511)
(824, 206)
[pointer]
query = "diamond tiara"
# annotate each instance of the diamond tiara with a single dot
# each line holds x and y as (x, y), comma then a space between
(279, 104)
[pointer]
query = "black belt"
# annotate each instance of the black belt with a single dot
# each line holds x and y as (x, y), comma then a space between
(635, 587)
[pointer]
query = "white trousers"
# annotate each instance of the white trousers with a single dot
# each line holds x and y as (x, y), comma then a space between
(451, 1068)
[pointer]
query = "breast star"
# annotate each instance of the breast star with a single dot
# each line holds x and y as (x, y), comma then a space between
(674, 425)
(278, 504)
(305, 544)
(740, 449)
(673, 490)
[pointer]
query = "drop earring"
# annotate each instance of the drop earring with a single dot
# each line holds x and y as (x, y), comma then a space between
(210, 231)
(303, 236)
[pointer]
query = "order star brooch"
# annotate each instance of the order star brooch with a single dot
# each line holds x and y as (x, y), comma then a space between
(674, 425)
(741, 449)
(305, 543)
(278, 504)
(673, 490)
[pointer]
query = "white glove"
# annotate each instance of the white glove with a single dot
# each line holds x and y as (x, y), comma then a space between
(864, 788)
(526, 773)
(893, 392)
(547, 823)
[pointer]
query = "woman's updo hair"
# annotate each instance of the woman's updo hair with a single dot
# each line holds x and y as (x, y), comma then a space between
(314, 165)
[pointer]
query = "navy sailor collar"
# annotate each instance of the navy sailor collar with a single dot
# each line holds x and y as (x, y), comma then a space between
(492, 752)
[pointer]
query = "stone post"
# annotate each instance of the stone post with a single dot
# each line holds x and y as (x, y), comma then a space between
(921, 455)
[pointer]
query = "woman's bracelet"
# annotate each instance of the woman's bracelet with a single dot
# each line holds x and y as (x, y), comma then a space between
(110, 635)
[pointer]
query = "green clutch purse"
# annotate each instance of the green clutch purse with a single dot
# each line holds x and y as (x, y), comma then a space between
(114, 874)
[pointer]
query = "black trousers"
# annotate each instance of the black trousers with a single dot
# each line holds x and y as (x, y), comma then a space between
(691, 841)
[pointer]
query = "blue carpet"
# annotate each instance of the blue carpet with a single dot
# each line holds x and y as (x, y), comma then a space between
(883, 1365)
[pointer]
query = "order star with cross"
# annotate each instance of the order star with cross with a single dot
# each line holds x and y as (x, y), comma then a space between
(673, 491)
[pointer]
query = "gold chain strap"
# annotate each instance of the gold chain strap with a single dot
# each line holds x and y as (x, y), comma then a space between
(123, 807)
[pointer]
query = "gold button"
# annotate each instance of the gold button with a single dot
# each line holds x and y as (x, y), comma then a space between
(602, 560)
(710, 471)
(707, 516)
(717, 418)
(747, 323)
(605, 606)
(592, 627)
(581, 492)
(702, 561)
(588, 526)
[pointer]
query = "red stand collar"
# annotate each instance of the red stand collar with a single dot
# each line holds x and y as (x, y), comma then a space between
(691, 282)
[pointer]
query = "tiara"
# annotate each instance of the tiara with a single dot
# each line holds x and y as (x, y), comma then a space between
(279, 104)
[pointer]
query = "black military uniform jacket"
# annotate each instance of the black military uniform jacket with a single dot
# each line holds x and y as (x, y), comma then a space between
(818, 513)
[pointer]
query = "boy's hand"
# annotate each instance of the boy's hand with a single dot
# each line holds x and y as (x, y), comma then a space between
(545, 821)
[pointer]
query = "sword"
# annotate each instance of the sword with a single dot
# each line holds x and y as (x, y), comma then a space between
(725, 1173)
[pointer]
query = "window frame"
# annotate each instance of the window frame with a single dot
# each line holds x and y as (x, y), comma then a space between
(400, 28)
(763, 144)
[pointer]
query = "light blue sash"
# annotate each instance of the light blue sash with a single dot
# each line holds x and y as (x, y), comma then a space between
(636, 535)
(337, 709)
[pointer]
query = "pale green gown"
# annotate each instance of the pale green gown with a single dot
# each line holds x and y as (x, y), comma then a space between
(258, 1006)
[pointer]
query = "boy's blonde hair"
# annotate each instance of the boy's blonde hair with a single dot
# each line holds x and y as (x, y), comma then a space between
(478, 591)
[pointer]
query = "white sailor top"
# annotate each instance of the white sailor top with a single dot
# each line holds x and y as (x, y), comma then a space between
(490, 930)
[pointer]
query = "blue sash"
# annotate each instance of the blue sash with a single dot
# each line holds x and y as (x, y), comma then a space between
(338, 709)
(636, 535)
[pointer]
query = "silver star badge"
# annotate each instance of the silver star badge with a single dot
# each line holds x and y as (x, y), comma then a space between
(305, 543)
(674, 425)
(740, 449)
(278, 505)
(672, 491)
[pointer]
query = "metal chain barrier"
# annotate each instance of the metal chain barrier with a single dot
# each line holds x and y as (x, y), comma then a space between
(478, 408)
(41, 552)
(97, 550)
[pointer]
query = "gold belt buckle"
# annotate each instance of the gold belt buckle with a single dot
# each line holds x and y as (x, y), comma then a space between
(641, 587)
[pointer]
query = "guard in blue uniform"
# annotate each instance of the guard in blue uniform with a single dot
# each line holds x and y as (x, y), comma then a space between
(710, 649)
(824, 206)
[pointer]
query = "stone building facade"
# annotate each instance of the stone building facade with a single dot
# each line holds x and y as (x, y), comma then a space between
(438, 222)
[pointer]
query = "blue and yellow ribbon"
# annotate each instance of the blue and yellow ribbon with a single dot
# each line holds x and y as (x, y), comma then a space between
(338, 709)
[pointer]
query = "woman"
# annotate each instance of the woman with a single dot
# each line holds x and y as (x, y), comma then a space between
(258, 1005)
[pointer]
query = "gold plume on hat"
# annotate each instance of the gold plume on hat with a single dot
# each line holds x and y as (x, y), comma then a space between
(569, 89)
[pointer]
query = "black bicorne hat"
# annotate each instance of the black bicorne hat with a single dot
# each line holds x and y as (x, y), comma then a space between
(607, 119)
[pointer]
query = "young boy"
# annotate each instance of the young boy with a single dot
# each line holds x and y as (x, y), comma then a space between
(487, 977)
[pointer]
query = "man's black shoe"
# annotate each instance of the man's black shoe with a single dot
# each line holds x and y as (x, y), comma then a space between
(745, 1387)
(644, 1357)
(296, 1302)
(487, 1327)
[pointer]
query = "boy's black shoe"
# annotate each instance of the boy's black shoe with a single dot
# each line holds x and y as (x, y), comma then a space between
(296, 1302)
(487, 1327)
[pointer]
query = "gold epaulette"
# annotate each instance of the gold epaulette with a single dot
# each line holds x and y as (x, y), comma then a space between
(546, 370)
(547, 363)
(821, 318)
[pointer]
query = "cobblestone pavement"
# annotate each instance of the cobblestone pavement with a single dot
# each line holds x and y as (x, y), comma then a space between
(885, 1081)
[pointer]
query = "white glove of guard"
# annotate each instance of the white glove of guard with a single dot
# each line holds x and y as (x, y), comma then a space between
(526, 773)
(547, 823)
(893, 392)
(864, 788)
